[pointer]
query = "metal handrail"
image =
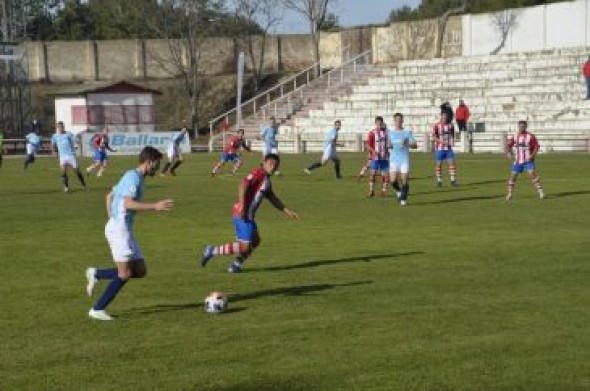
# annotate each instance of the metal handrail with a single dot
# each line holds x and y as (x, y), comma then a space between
(310, 72)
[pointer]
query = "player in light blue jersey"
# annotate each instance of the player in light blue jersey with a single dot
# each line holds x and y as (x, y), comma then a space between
(269, 136)
(401, 141)
(64, 143)
(121, 203)
(330, 144)
(174, 155)
(33, 144)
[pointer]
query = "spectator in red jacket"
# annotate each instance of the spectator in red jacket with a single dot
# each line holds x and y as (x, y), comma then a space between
(462, 115)
(586, 72)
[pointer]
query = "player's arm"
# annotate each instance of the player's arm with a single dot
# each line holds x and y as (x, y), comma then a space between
(509, 145)
(107, 146)
(245, 146)
(53, 147)
(411, 142)
(162, 205)
(278, 204)
(242, 195)
(534, 150)
(109, 202)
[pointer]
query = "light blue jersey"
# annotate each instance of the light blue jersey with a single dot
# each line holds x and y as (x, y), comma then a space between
(64, 143)
(400, 139)
(130, 185)
(331, 139)
(179, 139)
(34, 140)
(269, 135)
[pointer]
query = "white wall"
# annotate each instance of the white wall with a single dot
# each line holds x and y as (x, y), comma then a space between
(63, 112)
(543, 27)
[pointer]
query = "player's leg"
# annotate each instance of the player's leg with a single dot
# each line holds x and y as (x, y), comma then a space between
(372, 176)
(405, 175)
(452, 168)
(512, 182)
(220, 163)
(244, 229)
(64, 176)
(176, 164)
(364, 169)
(384, 177)
(102, 166)
(536, 181)
(439, 157)
(317, 164)
(237, 163)
(246, 249)
(393, 178)
(336, 161)
(74, 165)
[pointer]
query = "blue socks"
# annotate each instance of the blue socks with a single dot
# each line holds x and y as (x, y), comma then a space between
(109, 294)
(106, 274)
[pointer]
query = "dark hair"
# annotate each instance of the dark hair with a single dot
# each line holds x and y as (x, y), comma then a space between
(398, 115)
(241, 131)
(378, 118)
(272, 156)
(149, 153)
(60, 122)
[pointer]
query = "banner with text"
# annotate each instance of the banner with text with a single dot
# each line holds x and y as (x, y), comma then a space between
(133, 143)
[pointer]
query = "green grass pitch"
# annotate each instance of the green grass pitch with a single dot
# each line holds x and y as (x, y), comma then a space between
(458, 291)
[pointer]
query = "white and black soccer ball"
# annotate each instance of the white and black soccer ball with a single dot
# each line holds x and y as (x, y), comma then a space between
(216, 302)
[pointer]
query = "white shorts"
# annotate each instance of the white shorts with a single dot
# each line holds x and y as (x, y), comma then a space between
(329, 154)
(68, 161)
(123, 245)
(266, 150)
(31, 149)
(399, 166)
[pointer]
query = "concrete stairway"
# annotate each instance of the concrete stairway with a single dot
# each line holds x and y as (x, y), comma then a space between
(546, 87)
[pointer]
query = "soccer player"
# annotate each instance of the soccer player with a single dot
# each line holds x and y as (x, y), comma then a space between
(443, 135)
(121, 203)
(269, 136)
(231, 153)
(64, 143)
(378, 145)
(330, 144)
(401, 140)
(253, 189)
(33, 144)
(526, 146)
(174, 155)
(100, 142)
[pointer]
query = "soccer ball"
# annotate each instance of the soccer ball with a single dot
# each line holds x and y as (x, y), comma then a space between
(216, 302)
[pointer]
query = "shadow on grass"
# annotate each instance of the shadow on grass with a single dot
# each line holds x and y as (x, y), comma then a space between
(298, 290)
(461, 199)
(569, 194)
(324, 262)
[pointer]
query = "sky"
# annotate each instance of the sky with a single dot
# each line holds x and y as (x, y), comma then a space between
(349, 12)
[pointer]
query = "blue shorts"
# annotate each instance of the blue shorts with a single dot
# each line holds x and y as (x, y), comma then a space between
(230, 157)
(379, 165)
(444, 155)
(519, 168)
(100, 156)
(245, 229)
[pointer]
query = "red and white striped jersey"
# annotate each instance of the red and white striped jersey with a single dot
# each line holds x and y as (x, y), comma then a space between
(524, 144)
(257, 187)
(444, 136)
(100, 141)
(234, 145)
(377, 141)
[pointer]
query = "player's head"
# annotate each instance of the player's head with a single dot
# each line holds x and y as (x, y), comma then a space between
(149, 160)
(105, 130)
(60, 127)
(522, 126)
(444, 117)
(398, 120)
(271, 163)
(272, 121)
(379, 122)
(461, 103)
(241, 132)
(337, 124)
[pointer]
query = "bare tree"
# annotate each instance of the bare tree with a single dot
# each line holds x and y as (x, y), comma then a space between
(503, 22)
(442, 24)
(265, 14)
(314, 12)
(185, 29)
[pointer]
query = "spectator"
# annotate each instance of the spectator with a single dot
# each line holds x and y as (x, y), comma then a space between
(462, 115)
(586, 72)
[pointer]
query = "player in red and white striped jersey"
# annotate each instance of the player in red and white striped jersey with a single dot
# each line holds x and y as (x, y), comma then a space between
(443, 136)
(253, 189)
(231, 153)
(523, 147)
(378, 145)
